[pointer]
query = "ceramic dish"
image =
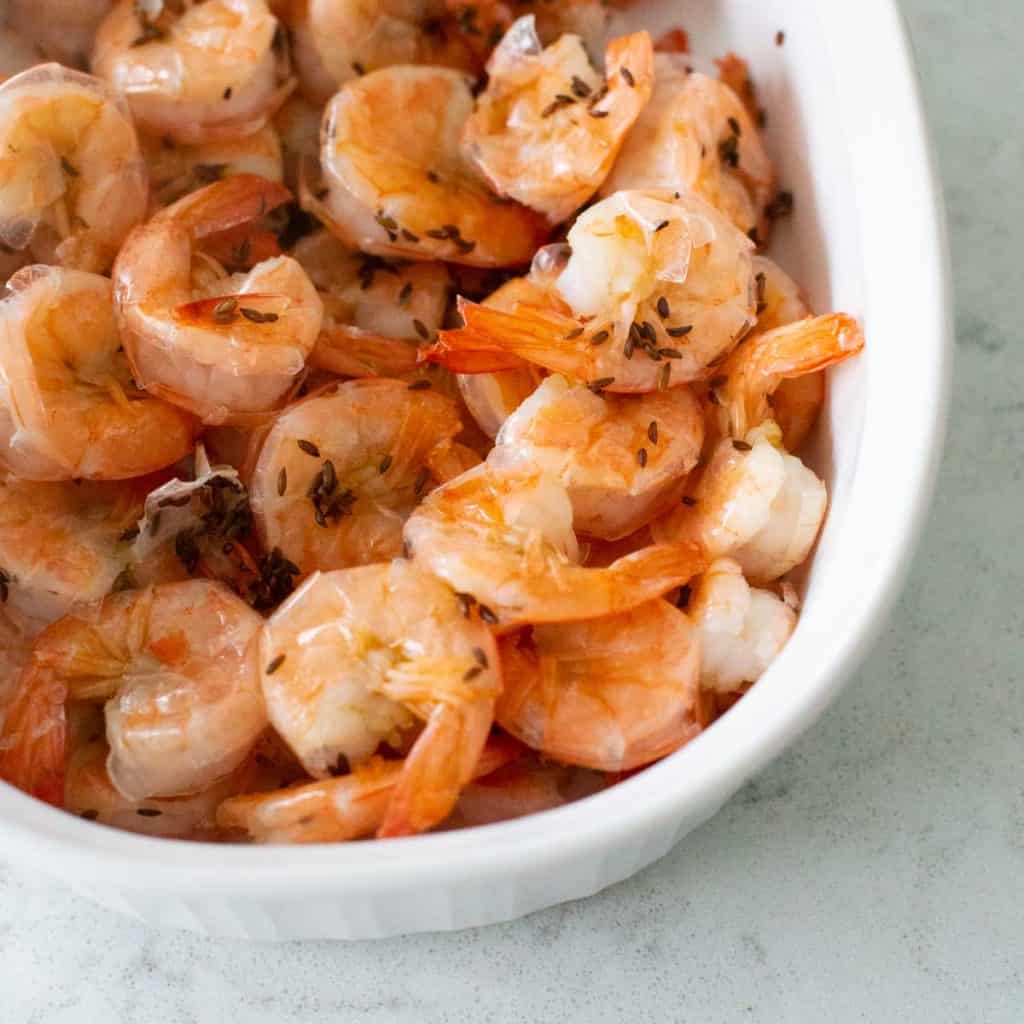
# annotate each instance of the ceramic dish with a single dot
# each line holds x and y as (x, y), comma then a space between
(847, 133)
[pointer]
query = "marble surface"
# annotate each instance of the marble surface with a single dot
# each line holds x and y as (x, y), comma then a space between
(874, 873)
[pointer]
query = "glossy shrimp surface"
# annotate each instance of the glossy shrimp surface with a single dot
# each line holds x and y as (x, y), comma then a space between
(222, 345)
(697, 135)
(613, 693)
(396, 192)
(504, 538)
(69, 408)
(358, 657)
(195, 71)
(72, 178)
(622, 459)
(176, 668)
(656, 291)
(340, 472)
(547, 128)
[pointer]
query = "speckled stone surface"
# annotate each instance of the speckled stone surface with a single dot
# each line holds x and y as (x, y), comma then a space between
(874, 873)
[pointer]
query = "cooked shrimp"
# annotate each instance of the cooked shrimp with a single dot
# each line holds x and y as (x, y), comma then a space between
(297, 124)
(72, 178)
(546, 129)
(754, 503)
(340, 471)
(397, 192)
(69, 408)
(696, 135)
(356, 657)
(504, 538)
(177, 669)
(659, 288)
(175, 170)
(622, 459)
(336, 810)
(223, 346)
(194, 72)
(751, 374)
(15, 641)
(613, 693)
(741, 629)
(61, 30)
(376, 311)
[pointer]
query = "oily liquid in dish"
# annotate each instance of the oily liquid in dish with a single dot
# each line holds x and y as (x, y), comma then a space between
(505, 415)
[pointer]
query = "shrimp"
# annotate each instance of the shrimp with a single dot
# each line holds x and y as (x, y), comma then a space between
(61, 30)
(741, 629)
(358, 656)
(696, 135)
(340, 471)
(751, 374)
(613, 693)
(175, 170)
(546, 130)
(622, 459)
(72, 177)
(69, 408)
(376, 311)
(755, 503)
(297, 125)
(504, 538)
(194, 72)
(15, 641)
(657, 290)
(396, 192)
(335, 810)
(222, 346)
(177, 669)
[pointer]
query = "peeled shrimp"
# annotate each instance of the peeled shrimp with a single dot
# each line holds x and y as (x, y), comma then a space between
(754, 503)
(15, 640)
(61, 30)
(546, 129)
(696, 135)
(741, 629)
(504, 538)
(195, 72)
(613, 693)
(622, 459)
(69, 408)
(398, 192)
(177, 669)
(175, 169)
(356, 657)
(220, 345)
(376, 311)
(340, 471)
(336, 810)
(72, 178)
(657, 290)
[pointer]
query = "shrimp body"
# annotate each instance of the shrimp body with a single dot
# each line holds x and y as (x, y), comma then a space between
(221, 345)
(621, 459)
(340, 471)
(741, 629)
(505, 537)
(15, 641)
(72, 178)
(210, 71)
(697, 135)
(546, 129)
(755, 503)
(612, 693)
(396, 192)
(69, 408)
(355, 657)
(657, 290)
(176, 667)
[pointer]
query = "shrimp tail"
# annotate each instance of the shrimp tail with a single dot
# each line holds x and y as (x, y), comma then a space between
(352, 352)
(657, 569)
(33, 744)
(226, 205)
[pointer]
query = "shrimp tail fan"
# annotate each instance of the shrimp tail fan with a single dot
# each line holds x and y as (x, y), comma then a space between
(660, 567)
(33, 744)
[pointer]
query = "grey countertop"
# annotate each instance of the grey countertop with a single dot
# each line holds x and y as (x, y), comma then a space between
(874, 873)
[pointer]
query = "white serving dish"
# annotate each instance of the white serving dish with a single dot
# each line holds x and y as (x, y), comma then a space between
(847, 131)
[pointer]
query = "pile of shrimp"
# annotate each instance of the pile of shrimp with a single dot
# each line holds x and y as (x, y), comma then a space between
(400, 416)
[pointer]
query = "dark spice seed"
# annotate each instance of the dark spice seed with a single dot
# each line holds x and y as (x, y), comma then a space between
(600, 338)
(386, 222)
(641, 457)
(601, 383)
(282, 481)
(780, 37)
(661, 226)
(574, 334)
(420, 385)
(227, 93)
(433, 176)
(729, 151)
(481, 658)
(734, 126)
(670, 353)
(403, 295)
(275, 665)
(421, 329)
(358, 68)
(679, 332)
(148, 812)
(466, 602)
(438, 233)
(742, 446)
(652, 431)
(421, 481)
(627, 76)
(409, 236)
(385, 464)
(598, 113)
(488, 616)
(780, 206)
(472, 673)
(90, 815)
(256, 317)
(329, 477)
(664, 311)
(224, 311)
(664, 377)
(68, 167)
(579, 87)
(308, 447)
(688, 501)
